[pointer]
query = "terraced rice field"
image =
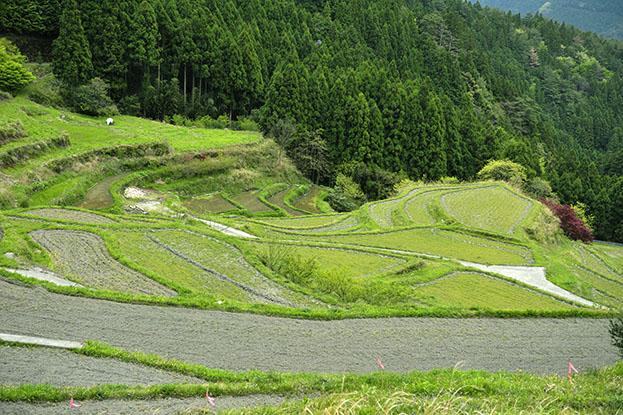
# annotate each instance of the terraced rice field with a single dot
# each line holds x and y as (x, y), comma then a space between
(142, 250)
(278, 200)
(212, 204)
(99, 196)
(251, 202)
(611, 255)
(238, 341)
(308, 201)
(38, 365)
(343, 262)
(303, 222)
(467, 290)
(349, 222)
(493, 208)
(70, 215)
(384, 213)
(419, 208)
(83, 258)
(439, 243)
(226, 263)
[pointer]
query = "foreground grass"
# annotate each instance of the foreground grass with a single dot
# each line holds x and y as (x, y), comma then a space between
(437, 391)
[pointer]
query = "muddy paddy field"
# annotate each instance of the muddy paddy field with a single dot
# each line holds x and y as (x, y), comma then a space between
(242, 342)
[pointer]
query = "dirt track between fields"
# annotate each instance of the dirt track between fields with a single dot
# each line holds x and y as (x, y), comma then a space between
(243, 341)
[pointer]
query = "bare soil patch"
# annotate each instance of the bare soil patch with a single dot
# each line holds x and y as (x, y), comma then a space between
(38, 365)
(243, 341)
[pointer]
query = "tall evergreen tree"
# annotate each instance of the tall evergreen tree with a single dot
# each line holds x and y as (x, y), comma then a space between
(72, 56)
(144, 38)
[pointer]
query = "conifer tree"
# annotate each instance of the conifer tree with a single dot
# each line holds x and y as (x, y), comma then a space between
(72, 57)
(144, 38)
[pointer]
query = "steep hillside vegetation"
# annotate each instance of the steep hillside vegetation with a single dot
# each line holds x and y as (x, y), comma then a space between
(604, 17)
(421, 88)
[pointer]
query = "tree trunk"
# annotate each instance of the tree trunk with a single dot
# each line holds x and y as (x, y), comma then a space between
(184, 86)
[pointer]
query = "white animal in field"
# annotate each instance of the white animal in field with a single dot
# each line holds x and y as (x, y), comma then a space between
(110, 121)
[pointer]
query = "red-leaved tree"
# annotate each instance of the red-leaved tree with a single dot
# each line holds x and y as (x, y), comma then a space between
(570, 223)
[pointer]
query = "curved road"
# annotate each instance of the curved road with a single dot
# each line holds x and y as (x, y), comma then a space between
(242, 341)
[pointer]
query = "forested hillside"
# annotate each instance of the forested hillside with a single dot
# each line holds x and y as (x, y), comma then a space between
(604, 17)
(373, 89)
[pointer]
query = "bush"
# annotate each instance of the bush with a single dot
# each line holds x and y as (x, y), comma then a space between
(570, 223)
(246, 124)
(449, 180)
(12, 131)
(504, 170)
(538, 188)
(5, 96)
(13, 74)
(616, 332)
(46, 89)
(92, 98)
(375, 182)
(346, 196)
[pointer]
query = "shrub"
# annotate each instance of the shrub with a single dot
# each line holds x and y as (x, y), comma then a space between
(570, 223)
(246, 124)
(616, 332)
(12, 131)
(282, 260)
(538, 188)
(375, 182)
(346, 195)
(449, 180)
(46, 89)
(13, 74)
(5, 96)
(504, 170)
(92, 98)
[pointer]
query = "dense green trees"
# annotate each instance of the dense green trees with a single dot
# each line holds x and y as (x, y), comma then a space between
(419, 88)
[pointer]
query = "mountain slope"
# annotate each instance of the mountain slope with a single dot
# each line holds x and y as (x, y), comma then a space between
(602, 17)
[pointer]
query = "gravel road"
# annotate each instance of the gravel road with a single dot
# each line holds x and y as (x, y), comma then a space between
(243, 341)
(19, 365)
(148, 407)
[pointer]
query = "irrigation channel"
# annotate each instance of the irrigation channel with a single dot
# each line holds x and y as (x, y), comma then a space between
(245, 341)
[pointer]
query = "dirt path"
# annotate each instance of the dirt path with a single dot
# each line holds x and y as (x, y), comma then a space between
(39, 365)
(244, 341)
(99, 197)
(147, 407)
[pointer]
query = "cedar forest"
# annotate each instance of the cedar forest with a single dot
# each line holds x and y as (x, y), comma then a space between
(374, 89)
